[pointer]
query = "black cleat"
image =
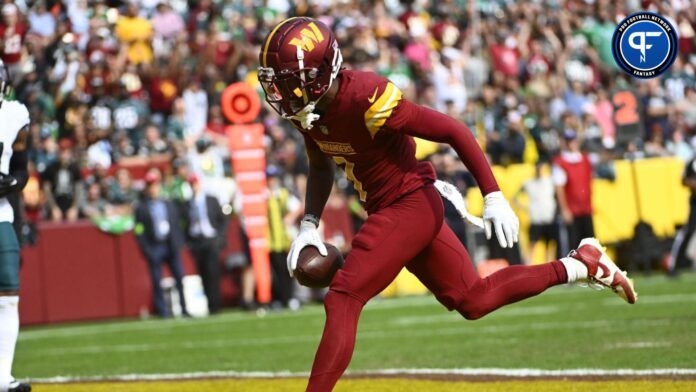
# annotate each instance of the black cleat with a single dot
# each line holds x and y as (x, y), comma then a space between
(16, 386)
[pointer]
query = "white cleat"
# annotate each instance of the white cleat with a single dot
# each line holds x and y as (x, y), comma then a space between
(602, 270)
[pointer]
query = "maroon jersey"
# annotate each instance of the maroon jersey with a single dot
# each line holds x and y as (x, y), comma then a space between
(578, 184)
(12, 39)
(355, 131)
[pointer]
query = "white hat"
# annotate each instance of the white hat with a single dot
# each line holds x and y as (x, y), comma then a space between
(9, 9)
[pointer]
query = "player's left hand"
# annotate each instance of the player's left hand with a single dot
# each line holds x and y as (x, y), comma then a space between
(451, 193)
(498, 215)
(7, 183)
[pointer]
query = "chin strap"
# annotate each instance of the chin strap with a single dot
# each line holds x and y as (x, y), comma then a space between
(306, 116)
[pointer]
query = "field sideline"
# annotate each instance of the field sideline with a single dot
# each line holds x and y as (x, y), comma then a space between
(573, 329)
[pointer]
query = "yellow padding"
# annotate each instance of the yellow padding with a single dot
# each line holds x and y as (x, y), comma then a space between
(405, 284)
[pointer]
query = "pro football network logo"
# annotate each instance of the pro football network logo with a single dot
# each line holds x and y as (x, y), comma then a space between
(644, 44)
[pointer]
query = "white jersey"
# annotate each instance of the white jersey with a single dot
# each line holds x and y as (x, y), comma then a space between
(13, 117)
(542, 200)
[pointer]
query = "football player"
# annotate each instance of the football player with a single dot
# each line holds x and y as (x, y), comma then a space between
(14, 135)
(361, 122)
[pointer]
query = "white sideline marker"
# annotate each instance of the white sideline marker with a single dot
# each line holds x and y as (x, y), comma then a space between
(499, 372)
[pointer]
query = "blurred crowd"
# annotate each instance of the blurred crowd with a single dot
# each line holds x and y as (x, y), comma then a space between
(113, 85)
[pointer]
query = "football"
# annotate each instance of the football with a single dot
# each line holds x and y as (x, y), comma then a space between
(316, 271)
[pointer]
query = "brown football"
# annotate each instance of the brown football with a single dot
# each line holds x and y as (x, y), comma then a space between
(316, 271)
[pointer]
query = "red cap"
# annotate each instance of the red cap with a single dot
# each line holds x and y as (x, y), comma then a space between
(193, 179)
(65, 144)
(151, 177)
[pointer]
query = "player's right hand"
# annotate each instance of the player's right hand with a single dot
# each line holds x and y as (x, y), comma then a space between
(308, 236)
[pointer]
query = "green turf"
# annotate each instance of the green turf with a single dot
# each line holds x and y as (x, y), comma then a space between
(560, 329)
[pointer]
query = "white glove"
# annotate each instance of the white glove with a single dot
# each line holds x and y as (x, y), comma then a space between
(308, 236)
(498, 214)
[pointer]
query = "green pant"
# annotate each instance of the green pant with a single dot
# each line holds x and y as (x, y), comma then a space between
(9, 258)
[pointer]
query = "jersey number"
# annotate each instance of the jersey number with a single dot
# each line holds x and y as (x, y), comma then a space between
(349, 166)
(13, 45)
(626, 108)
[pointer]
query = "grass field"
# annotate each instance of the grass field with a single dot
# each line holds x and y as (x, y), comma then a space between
(564, 328)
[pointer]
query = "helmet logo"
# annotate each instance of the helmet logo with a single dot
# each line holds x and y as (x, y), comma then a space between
(309, 37)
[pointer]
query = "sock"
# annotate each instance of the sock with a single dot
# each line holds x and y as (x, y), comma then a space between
(9, 329)
(575, 269)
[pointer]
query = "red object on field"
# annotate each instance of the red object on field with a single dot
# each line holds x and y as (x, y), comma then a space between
(240, 103)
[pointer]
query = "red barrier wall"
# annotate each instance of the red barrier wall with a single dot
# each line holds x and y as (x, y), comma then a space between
(32, 304)
(76, 272)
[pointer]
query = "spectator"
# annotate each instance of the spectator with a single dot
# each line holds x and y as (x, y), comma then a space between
(248, 280)
(655, 146)
(177, 187)
(448, 80)
(94, 204)
(515, 142)
(78, 14)
(163, 89)
(195, 110)
(678, 147)
(12, 34)
(679, 258)
(604, 115)
(176, 126)
(62, 185)
(572, 176)
(160, 240)
(541, 206)
(283, 210)
(152, 144)
(41, 22)
(120, 190)
(130, 115)
(167, 26)
(135, 33)
(205, 161)
(205, 224)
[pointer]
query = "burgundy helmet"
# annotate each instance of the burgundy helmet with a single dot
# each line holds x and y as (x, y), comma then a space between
(299, 60)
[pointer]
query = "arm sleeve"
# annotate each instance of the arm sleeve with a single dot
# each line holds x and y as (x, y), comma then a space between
(319, 180)
(18, 169)
(425, 123)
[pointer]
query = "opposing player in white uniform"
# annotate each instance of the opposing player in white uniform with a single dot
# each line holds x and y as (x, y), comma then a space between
(14, 135)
